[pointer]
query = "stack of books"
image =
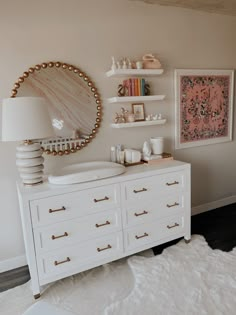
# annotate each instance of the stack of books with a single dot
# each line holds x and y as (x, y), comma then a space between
(134, 86)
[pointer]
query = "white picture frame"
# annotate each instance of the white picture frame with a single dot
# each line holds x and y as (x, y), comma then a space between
(203, 107)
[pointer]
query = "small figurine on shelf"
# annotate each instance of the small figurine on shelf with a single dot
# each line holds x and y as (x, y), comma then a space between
(124, 112)
(119, 119)
(129, 64)
(124, 65)
(118, 64)
(113, 66)
(150, 62)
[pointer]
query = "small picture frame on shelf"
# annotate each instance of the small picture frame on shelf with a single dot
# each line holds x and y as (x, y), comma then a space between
(138, 111)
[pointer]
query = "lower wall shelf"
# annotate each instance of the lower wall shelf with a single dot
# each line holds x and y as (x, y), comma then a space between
(139, 123)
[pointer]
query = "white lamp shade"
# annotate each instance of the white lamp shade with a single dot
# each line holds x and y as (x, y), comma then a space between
(25, 118)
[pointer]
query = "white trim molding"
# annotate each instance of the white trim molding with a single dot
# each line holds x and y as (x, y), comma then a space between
(214, 205)
(12, 263)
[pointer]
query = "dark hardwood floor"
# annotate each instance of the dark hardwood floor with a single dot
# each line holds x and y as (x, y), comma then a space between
(13, 278)
(217, 226)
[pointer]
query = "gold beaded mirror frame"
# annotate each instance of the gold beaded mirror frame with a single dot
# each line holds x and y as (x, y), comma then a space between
(74, 104)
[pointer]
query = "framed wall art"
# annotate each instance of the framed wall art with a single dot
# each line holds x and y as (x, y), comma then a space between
(203, 107)
(138, 111)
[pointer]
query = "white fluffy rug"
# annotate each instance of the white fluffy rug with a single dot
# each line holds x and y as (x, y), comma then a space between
(185, 279)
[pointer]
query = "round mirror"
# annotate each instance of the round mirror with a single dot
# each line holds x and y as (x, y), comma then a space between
(73, 102)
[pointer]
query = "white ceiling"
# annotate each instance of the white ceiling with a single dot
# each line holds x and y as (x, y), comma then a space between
(227, 7)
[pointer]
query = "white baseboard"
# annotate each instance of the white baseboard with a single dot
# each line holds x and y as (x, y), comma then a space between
(12, 263)
(214, 205)
(20, 261)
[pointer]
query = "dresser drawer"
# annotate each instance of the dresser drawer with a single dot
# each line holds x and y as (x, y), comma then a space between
(64, 207)
(146, 211)
(68, 232)
(152, 232)
(72, 257)
(154, 186)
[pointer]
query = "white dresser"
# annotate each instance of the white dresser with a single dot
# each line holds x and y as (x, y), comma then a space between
(71, 228)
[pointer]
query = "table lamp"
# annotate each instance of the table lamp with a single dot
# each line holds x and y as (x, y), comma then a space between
(27, 119)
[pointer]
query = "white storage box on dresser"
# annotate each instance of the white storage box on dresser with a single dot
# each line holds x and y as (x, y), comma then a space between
(71, 228)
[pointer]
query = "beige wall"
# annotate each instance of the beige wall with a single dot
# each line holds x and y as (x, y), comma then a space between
(86, 34)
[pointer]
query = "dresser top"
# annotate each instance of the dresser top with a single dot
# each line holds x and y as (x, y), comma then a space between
(132, 172)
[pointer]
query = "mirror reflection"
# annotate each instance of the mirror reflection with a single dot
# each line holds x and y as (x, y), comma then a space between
(73, 102)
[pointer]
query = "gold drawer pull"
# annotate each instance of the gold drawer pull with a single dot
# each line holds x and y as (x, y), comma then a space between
(174, 205)
(105, 248)
(63, 235)
(174, 183)
(138, 191)
(98, 200)
(56, 263)
(141, 213)
(99, 225)
(172, 226)
(55, 210)
(141, 236)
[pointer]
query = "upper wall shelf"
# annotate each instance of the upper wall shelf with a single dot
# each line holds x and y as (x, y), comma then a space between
(133, 72)
(146, 98)
(139, 123)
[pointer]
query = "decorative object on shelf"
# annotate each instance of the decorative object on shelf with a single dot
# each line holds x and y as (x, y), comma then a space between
(121, 90)
(204, 106)
(147, 89)
(113, 66)
(124, 116)
(151, 117)
(27, 119)
(121, 118)
(124, 64)
(73, 103)
(138, 111)
(150, 62)
(118, 65)
(129, 63)
(130, 117)
(139, 65)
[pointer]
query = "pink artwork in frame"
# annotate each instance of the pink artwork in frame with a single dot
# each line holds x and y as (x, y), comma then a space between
(204, 101)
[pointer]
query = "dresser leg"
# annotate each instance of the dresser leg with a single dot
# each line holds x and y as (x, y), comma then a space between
(37, 296)
(187, 240)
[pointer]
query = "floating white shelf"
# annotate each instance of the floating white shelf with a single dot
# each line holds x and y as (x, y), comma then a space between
(123, 99)
(139, 123)
(133, 72)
